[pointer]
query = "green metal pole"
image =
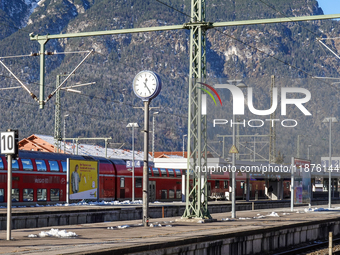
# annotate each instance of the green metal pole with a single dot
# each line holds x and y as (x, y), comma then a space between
(42, 72)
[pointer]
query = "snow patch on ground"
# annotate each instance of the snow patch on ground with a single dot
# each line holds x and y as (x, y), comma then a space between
(55, 233)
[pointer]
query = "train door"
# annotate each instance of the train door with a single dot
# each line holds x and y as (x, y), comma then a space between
(152, 191)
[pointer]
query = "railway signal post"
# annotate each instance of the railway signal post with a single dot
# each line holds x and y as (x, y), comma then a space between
(9, 146)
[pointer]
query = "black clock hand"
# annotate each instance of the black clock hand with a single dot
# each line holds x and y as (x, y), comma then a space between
(146, 86)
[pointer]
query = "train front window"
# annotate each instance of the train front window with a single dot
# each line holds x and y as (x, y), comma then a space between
(54, 166)
(15, 195)
(28, 195)
(41, 194)
(41, 166)
(27, 164)
(1, 164)
(54, 194)
(15, 164)
(64, 165)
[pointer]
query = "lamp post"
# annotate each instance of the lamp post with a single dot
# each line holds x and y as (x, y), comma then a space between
(153, 134)
(255, 147)
(66, 115)
(330, 120)
(308, 151)
(298, 146)
(183, 144)
(239, 84)
(133, 126)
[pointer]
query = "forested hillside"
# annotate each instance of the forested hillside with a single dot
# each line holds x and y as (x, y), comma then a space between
(289, 51)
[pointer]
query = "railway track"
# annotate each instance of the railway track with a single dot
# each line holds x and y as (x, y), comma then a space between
(321, 245)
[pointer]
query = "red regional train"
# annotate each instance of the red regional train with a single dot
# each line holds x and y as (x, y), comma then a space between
(40, 177)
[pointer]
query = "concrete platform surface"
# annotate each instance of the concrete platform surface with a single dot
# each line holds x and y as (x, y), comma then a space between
(107, 238)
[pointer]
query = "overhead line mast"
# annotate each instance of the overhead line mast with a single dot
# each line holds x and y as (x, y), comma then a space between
(197, 133)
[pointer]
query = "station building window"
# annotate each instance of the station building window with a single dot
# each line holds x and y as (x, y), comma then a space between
(41, 194)
(28, 195)
(54, 194)
(27, 164)
(15, 195)
(41, 166)
(54, 166)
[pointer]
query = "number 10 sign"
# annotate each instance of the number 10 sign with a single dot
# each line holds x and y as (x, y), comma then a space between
(9, 142)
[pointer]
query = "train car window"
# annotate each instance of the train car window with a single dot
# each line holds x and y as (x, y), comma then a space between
(53, 165)
(163, 171)
(139, 182)
(164, 194)
(54, 194)
(171, 193)
(41, 166)
(41, 194)
(2, 195)
(178, 194)
(155, 172)
(217, 184)
(64, 166)
(28, 195)
(178, 173)
(27, 164)
(15, 195)
(150, 171)
(122, 182)
(1, 164)
(225, 184)
(15, 164)
(171, 173)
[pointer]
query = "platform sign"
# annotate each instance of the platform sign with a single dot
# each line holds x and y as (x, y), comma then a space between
(9, 142)
(83, 179)
(9, 146)
(130, 163)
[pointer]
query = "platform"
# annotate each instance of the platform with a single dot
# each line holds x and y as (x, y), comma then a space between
(252, 232)
(33, 217)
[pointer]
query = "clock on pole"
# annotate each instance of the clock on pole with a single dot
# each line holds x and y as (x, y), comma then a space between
(146, 86)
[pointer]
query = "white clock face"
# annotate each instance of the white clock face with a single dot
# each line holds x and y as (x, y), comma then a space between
(145, 84)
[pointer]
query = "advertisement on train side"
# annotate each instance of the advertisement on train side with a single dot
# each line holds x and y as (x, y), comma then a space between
(82, 179)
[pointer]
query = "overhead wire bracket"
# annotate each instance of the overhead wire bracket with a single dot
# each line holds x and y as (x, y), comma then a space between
(74, 70)
(21, 83)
